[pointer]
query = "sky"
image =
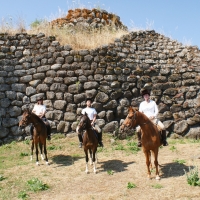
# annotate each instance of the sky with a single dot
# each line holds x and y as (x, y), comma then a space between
(176, 19)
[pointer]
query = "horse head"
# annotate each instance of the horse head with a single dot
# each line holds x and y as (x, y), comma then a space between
(130, 121)
(26, 118)
(84, 123)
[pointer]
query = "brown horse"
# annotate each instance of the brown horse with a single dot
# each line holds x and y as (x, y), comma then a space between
(39, 133)
(90, 141)
(150, 138)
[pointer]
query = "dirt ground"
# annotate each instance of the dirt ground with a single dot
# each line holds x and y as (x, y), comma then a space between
(67, 179)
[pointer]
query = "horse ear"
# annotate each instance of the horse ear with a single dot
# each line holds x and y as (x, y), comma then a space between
(130, 108)
(135, 108)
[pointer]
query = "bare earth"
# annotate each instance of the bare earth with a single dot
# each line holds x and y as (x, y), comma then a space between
(67, 179)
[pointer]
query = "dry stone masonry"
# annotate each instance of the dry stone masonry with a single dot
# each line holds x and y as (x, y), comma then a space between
(113, 75)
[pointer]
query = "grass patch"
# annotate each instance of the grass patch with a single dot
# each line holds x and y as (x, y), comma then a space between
(2, 178)
(131, 185)
(23, 154)
(53, 147)
(173, 148)
(23, 195)
(193, 177)
(132, 147)
(110, 172)
(180, 161)
(157, 186)
(36, 185)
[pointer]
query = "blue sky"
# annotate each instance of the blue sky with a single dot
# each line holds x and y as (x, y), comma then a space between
(177, 19)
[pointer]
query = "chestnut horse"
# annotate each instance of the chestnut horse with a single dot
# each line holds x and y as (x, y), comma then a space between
(39, 133)
(150, 136)
(90, 141)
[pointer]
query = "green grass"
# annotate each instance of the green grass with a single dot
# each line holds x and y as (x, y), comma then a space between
(180, 161)
(36, 185)
(23, 154)
(131, 185)
(193, 177)
(53, 147)
(23, 195)
(157, 186)
(173, 148)
(110, 172)
(2, 178)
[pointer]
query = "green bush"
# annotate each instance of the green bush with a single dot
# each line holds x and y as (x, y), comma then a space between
(193, 177)
(131, 185)
(36, 185)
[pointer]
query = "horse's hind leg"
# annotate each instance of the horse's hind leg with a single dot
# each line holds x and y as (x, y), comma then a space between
(32, 147)
(45, 153)
(40, 145)
(155, 152)
(86, 159)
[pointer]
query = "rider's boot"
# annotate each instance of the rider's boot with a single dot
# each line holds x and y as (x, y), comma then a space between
(48, 132)
(139, 139)
(100, 139)
(164, 138)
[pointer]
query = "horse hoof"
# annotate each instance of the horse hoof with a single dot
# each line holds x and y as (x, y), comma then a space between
(95, 172)
(37, 163)
(86, 172)
(157, 177)
(47, 163)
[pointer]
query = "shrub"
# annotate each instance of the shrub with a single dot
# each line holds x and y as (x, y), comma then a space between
(36, 185)
(193, 177)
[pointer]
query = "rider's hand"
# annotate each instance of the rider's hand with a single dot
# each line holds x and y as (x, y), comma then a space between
(152, 117)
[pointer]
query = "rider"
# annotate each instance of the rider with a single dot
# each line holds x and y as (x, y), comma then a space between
(92, 114)
(40, 109)
(150, 109)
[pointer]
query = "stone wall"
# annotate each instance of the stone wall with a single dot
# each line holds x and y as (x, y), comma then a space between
(113, 75)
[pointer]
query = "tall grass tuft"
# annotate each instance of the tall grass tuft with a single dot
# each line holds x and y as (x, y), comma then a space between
(193, 176)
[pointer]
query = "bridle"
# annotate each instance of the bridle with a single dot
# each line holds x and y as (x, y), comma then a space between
(132, 118)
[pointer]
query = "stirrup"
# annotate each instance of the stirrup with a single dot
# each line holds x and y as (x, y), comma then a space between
(80, 145)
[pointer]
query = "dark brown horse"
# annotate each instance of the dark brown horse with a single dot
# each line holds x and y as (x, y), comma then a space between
(39, 133)
(90, 141)
(150, 137)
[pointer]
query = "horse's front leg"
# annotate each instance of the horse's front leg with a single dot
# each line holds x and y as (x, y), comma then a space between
(90, 156)
(146, 153)
(86, 159)
(36, 152)
(155, 152)
(93, 159)
(45, 153)
(32, 147)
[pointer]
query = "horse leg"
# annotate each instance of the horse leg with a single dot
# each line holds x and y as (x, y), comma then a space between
(146, 152)
(40, 145)
(90, 156)
(93, 159)
(36, 152)
(86, 159)
(155, 152)
(45, 153)
(32, 147)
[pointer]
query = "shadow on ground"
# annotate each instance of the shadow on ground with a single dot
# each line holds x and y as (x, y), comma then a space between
(65, 160)
(174, 169)
(115, 165)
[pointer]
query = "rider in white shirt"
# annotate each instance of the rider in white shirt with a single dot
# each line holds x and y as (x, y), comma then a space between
(40, 109)
(92, 114)
(150, 109)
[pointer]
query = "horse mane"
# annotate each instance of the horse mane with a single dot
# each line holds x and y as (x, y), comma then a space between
(31, 113)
